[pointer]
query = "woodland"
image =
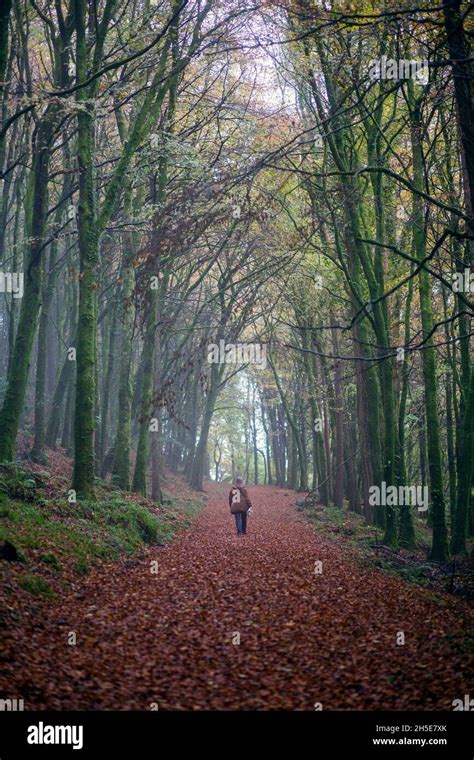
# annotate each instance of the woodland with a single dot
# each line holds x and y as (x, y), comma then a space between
(236, 239)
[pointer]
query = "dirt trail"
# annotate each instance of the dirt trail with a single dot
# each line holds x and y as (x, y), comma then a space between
(170, 638)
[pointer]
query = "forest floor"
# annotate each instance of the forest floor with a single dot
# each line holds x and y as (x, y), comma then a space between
(163, 630)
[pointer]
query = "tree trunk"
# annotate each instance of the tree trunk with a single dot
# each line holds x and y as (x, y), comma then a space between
(36, 209)
(439, 548)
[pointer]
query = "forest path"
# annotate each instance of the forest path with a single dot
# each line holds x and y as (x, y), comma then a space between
(305, 638)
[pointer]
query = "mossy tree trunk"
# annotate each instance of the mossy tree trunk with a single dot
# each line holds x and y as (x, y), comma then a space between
(199, 465)
(139, 484)
(83, 481)
(319, 454)
(38, 452)
(439, 547)
(462, 70)
(406, 535)
(36, 208)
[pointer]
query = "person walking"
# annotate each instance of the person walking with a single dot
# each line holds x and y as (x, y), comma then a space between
(239, 503)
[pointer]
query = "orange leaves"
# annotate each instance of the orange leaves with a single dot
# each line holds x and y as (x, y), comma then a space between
(232, 623)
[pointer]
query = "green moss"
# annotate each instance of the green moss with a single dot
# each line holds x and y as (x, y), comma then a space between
(81, 567)
(81, 535)
(36, 585)
(4, 510)
(51, 559)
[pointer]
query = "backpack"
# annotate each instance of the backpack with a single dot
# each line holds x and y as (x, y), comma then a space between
(239, 500)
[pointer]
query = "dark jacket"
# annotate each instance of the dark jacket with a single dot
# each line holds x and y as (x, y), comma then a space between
(239, 500)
